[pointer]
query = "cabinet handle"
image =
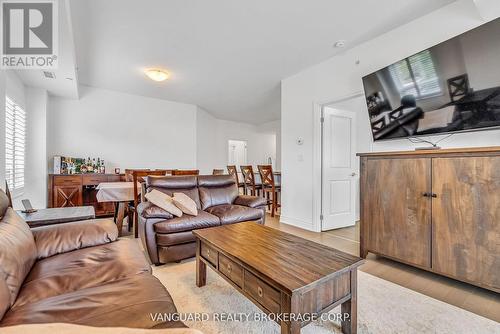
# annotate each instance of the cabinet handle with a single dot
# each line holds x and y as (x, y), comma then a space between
(434, 195)
(228, 268)
(259, 291)
(426, 194)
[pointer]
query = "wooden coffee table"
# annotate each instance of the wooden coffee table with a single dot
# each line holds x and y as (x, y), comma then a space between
(281, 273)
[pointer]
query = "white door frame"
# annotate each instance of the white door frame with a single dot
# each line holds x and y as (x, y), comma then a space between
(318, 155)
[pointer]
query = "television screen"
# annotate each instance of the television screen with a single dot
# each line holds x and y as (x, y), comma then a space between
(453, 86)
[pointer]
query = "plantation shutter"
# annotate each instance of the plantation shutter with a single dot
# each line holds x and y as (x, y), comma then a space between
(15, 140)
(416, 75)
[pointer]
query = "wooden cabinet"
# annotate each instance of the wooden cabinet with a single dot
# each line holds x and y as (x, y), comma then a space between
(466, 218)
(400, 216)
(438, 210)
(67, 195)
(78, 190)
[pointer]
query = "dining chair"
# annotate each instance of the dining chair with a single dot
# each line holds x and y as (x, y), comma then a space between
(185, 172)
(269, 187)
(137, 177)
(249, 181)
(232, 170)
(218, 172)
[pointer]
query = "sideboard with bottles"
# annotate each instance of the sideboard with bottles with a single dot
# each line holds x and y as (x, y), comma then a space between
(80, 189)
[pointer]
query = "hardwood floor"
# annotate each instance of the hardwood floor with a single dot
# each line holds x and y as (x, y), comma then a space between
(474, 299)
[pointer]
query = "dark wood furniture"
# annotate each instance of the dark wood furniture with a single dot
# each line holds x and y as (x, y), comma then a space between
(269, 187)
(249, 181)
(437, 210)
(79, 190)
(232, 170)
(52, 216)
(279, 272)
(218, 172)
(186, 172)
(458, 87)
(137, 177)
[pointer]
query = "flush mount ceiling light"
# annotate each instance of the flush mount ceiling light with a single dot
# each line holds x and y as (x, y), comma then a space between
(156, 74)
(339, 44)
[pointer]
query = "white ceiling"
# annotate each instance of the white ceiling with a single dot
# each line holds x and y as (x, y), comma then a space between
(227, 56)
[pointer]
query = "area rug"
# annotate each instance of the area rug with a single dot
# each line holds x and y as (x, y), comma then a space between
(383, 307)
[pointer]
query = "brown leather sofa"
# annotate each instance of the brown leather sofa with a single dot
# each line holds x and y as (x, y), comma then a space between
(77, 273)
(169, 239)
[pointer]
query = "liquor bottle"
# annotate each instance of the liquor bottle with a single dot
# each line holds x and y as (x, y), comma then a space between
(90, 168)
(98, 166)
(94, 169)
(103, 167)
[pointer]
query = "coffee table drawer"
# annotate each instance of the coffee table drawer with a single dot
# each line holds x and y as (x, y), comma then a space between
(209, 254)
(262, 292)
(231, 270)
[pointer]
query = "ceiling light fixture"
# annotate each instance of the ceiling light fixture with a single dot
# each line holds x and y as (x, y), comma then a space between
(156, 74)
(339, 44)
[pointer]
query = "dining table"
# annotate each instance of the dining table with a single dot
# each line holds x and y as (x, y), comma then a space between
(119, 193)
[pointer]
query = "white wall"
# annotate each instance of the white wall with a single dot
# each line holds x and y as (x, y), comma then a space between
(127, 131)
(213, 135)
(339, 77)
(35, 173)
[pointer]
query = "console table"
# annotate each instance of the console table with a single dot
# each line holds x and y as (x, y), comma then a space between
(437, 210)
(79, 190)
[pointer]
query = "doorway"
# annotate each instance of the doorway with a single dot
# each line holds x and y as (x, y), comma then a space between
(338, 164)
(237, 152)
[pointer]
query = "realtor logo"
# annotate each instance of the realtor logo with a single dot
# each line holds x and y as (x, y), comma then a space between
(29, 34)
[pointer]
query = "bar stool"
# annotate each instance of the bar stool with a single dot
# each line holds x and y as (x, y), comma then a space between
(249, 181)
(269, 187)
(233, 171)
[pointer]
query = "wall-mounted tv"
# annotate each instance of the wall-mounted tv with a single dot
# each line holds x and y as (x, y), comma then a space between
(453, 86)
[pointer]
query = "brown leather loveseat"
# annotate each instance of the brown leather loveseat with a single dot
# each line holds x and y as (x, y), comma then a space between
(77, 273)
(169, 239)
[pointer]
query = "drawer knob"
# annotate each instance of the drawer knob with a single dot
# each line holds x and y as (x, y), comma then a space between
(229, 267)
(259, 291)
(208, 252)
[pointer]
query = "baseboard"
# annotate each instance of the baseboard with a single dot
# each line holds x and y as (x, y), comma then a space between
(297, 223)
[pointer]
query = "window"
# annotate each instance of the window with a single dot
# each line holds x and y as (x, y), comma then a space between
(416, 75)
(15, 139)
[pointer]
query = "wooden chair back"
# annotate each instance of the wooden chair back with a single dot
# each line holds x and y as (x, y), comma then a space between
(266, 175)
(231, 169)
(248, 179)
(218, 172)
(185, 172)
(138, 176)
(458, 87)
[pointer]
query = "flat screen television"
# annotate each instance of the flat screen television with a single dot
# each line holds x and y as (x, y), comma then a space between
(451, 87)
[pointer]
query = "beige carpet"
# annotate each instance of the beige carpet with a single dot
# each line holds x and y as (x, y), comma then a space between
(383, 307)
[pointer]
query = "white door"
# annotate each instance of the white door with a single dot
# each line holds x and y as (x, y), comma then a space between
(237, 152)
(339, 176)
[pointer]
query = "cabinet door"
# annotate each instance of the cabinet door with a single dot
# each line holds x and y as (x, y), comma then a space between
(466, 219)
(396, 218)
(70, 195)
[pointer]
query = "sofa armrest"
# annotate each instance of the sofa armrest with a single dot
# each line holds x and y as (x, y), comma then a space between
(62, 238)
(250, 201)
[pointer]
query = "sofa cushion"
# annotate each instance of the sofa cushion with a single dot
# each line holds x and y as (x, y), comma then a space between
(149, 211)
(175, 184)
(217, 190)
(187, 223)
(80, 269)
(170, 239)
(230, 214)
(127, 302)
(17, 255)
(163, 201)
(62, 238)
(185, 203)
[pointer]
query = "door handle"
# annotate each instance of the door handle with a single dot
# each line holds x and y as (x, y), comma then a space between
(353, 174)
(427, 194)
